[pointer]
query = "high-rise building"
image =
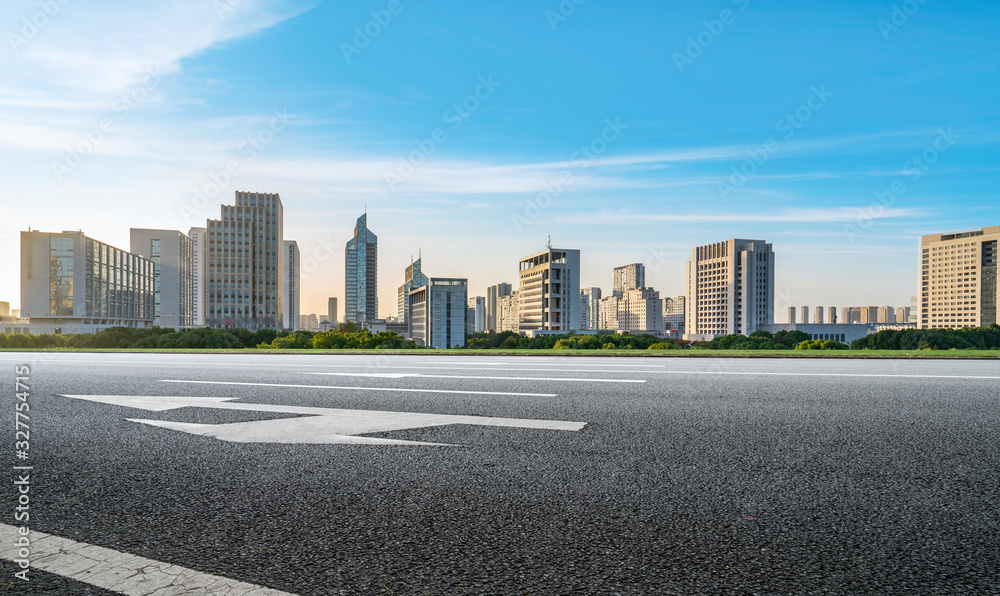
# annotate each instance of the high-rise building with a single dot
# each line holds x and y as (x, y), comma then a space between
(509, 313)
(914, 309)
(292, 284)
(361, 294)
(628, 277)
(199, 248)
(673, 314)
(332, 313)
(438, 313)
(869, 314)
(791, 314)
(805, 315)
(903, 314)
(608, 313)
(74, 284)
(245, 264)
(730, 288)
(550, 290)
(885, 314)
(640, 310)
(851, 315)
(958, 284)
(414, 278)
(590, 308)
(477, 314)
(819, 315)
(172, 254)
(4, 309)
(833, 315)
(493, 296)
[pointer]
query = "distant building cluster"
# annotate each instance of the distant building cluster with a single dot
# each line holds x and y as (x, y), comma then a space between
(239, 271)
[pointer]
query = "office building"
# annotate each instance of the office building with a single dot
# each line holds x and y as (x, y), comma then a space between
(832, 311)
(958, 284)
(805, 315)
(819, 315)
(640, 311)
(4, 309)
(292, 284)
(730, 288)
(438, 312)
(673, 315)
(199, 249)
(608, 313)
(332, 312)
(509, 313)
(885, 315)
(361, 294)
(869, 314)
(245, 264)
(844, 333)
(590, 308)
(413, 278)
(851, 315)
(74, 284)
(903, 314)
(172, 254)
(628, 277)
(791, 315)
(477, 314)
(493, 296)
(550, 290)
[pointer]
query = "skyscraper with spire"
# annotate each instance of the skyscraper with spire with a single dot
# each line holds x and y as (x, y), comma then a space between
(361, 283)
(414, 279)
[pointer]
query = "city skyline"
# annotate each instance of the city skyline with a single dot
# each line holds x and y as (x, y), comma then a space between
(879, 130)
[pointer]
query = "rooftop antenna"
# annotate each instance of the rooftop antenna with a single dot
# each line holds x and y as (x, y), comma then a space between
(549, 243)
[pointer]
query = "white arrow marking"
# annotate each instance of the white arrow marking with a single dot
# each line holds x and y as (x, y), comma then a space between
(420, 376)
(330, 426)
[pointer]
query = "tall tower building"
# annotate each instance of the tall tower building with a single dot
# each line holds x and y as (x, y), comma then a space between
(439, 313)
(493, 296)
(550, 290)
(361, 291)
(819, 315)
(292, 285)
(172, 254)
(245, 265)
(832, 311)
(629, 277)
(413, 279)
(590, 308)
(805, 315)
(730, 288)
(199, 249)
(332, 312)
(958, 279)
(791, 314)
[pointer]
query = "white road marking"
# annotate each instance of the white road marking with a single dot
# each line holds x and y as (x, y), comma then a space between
(420, 376)
(390, 389)
(117, 571)
(320, 426)
(789, 374)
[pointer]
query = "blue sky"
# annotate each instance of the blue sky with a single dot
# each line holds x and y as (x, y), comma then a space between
(474, 130)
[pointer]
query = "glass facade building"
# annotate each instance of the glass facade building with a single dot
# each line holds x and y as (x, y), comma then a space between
(361, 275)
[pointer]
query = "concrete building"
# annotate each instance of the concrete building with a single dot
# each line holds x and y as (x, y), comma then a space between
(550, 290)
(842, 333)
(493, 296)
(805, 315)
(292, 285)
(673, 315)
(74, 284)
(791, 315)
(438, 313)
(850, 315)
(245, 264)
(172, 254)
(199, 249)
(361, 295)
(4, 309)
(590, 308)
(477, 314)
(833, 315)
(308, 323)
(958, 279)
(641, 311)
(332, 312)
(819, 315)
(413, 278)
(509, 313)
(628, 277)
(730, 288)
(885, 315)
(608, 314)
(903, 314)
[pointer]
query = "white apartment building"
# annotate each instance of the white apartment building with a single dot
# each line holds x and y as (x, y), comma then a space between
(550, 291)
(958, 279)
(292, 283)
(730, 288)
(590, 308)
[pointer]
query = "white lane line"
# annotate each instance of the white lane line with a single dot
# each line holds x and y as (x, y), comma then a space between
(119, 572)
(389, 389)
(420, 376)
(460, 365)
(788, 374)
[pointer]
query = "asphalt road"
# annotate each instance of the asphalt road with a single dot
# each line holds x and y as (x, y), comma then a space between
(648, 476)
